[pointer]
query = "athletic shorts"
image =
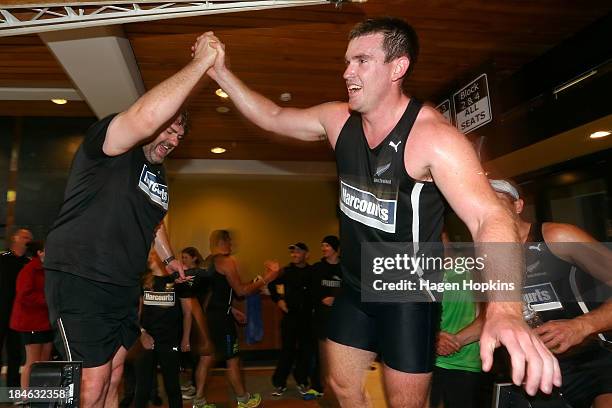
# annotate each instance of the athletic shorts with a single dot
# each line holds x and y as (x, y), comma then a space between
(223, 334)
(91, 319)
(586, 376)
(37, 337)
(403, 334)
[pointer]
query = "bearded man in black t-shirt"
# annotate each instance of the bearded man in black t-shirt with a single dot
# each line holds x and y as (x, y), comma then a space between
(113, 208)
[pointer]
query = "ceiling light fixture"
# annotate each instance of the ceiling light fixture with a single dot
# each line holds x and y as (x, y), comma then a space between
(59, 101)
(221, 93)
(222, 109)
(217, 150)
(599, 134)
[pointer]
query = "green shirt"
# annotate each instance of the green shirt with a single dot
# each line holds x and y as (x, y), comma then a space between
(458, 311)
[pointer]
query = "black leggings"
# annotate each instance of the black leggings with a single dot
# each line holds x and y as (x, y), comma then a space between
(169, 361)
(14, 352)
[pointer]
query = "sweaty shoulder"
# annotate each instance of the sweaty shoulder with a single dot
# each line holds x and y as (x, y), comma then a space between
(431, 136)
(554, 232)
(333, 116)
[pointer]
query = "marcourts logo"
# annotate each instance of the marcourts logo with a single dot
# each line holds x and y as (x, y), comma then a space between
(364, 207)
(157, 192)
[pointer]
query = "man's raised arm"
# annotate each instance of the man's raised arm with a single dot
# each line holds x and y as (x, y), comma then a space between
(304, 124)
(159, 105)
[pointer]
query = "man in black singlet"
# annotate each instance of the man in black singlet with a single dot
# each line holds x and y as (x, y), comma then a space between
(563, 262)
(396, 160)
(115, 200)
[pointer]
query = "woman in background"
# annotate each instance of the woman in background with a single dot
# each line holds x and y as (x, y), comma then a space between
(30, 314)
(200, 345)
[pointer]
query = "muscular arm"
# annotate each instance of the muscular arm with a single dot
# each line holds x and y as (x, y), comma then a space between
(449, 159)
(304, 124)
(228, 266)
(438, 151)
(157, 106)
(577, 247)
(164, 251)
(161, 243)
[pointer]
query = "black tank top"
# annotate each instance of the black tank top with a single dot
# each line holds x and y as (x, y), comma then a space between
(379, 201)
(554, 287)
(220, 290)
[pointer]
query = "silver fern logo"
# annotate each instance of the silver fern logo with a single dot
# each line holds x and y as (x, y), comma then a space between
(382, 169)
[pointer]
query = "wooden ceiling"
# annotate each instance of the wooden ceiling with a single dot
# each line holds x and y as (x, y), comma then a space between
(300, 50)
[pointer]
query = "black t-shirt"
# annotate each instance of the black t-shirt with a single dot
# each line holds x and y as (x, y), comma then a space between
(10, 265)
(112, 206)
(326, 280)
(292, 286)
(161, 315)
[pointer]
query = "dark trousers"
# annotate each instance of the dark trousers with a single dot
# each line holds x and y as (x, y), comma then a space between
(169, 362)
(296, 350)
(455, 388)
(315, 376)
(14, 352)
(129, 385)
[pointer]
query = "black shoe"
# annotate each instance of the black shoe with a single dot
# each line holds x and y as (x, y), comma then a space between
(278, 391)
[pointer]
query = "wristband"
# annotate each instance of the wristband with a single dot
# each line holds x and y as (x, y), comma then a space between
(168, 260)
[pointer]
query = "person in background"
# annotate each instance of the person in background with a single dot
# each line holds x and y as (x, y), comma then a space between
(290, 293)
(458, 370)
(165, 321)
(197, 289)
(325, 286)
(225, 282)
(576, 329)
(11, 262)
(30, 315)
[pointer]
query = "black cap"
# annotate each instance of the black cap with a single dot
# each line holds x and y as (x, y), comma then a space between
(332, 241)
(299, 245)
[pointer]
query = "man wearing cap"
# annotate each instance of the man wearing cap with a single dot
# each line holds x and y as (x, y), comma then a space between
(290, 292)
(568, 260)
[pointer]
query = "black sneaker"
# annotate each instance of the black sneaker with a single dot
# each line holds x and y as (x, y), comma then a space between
(278, 391)
(302, 389)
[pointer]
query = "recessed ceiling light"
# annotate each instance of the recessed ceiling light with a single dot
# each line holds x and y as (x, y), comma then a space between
(222, 109)
(59, 101)
(221, 93)
(285, 97)
(600, 133)
(217, 150)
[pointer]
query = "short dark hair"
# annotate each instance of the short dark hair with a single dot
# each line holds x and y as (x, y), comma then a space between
(399, 38)
(33, 247)
(185, 121)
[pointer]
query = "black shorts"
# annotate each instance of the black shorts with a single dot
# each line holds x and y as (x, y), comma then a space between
(403, 334)
(37, 337)
(92, 320)
(587, 375)
(223, 334)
